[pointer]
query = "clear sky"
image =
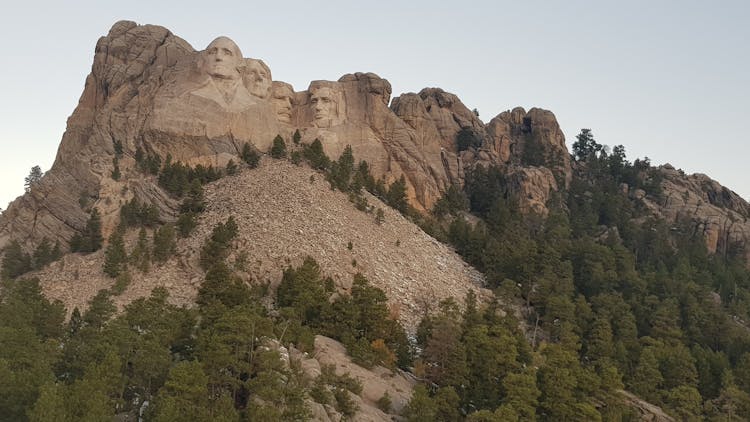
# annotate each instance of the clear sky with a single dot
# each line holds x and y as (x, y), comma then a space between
(668, 79)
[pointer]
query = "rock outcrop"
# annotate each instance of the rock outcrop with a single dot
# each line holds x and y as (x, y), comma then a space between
(712, 210)
(150, 90)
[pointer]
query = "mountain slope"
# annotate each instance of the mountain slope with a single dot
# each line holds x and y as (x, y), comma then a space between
(284, 213)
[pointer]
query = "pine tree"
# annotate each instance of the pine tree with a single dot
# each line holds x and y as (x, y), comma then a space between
(35, 175)
(116, 169)
(115, 257)
(141, 255)
(278, 150)
(296, 137)
(421, 407)
(90, 239)
(50, 406)
(599, 344)
(231, 167)
(521, 393)
(15, 261)
(250, 155)
(341, 170)
(164, 243)
(396, 196)
(315, 155)
(185, 394)
(647, 380)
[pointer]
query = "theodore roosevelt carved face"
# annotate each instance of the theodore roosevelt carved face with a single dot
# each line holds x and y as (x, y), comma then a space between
(282, 99)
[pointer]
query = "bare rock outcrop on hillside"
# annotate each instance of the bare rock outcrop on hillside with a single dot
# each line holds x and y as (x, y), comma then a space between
(714, 211)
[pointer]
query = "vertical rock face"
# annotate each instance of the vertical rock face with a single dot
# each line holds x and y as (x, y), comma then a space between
(719, 215)
(150, 90)
(126, 63)
(354, 111)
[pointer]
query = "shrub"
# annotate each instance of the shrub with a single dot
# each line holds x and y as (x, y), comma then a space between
(384, 403)
(250, 155)
(164, 243)
(90, 239)
(278, 150)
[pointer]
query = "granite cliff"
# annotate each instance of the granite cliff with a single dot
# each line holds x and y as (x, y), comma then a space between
(150, 90)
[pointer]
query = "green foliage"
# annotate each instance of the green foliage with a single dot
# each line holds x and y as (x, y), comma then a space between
(116, 169)
(178, 179)
(90, 239)
(29, 328)
(134, 213)
(216, 249)
(396, 196)
(140, 257)
(184, 395)
(117, 145)
(421, 407)
(384, 403)
(466, 138)
(533, 151)
(278, 149)
(45, 253)
(186, 223)
(452, 202)
(250, 155)
(115, 257)
(586, 147)
(379, 216)
(165, 244)
(296, 137)
(341, 171)
(15, 261)
(231, 168)
(361, 321)
(315, 155)
(147, 163)
(34, 177)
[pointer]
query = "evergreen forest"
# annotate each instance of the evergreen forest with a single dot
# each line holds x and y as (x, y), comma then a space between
(593, 300)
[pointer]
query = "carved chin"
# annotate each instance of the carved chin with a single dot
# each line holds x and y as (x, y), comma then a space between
(224, 72)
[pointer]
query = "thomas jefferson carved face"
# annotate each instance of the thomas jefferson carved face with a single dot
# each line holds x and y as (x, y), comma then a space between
(222, 59)
(324, 105)
(258, 78)
(282, 101)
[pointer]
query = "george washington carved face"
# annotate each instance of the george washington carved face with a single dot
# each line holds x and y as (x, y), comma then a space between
(222, 59)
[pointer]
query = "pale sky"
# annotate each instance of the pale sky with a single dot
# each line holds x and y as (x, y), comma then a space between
(668, 79)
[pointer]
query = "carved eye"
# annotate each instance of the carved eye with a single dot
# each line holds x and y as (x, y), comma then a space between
(228, 52)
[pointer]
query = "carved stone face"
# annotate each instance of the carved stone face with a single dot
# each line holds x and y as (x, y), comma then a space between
(258, 78)
(222, 59)
(324, 106)
(282, 101)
